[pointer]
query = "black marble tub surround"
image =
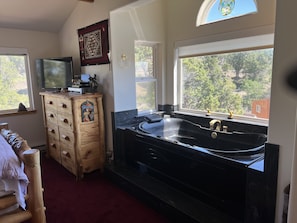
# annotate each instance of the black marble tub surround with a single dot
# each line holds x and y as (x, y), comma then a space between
(261, 187)
(241, 190)
(178, 206)
(123, 119)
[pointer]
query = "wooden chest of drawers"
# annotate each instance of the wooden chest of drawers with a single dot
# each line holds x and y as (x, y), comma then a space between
(74, 126)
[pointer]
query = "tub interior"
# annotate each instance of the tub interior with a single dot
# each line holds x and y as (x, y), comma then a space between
(185, 132)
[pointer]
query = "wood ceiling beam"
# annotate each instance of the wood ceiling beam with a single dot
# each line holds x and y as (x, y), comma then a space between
(87, 0)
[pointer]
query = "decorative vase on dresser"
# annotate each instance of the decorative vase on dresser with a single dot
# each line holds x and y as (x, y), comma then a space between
(74, 125)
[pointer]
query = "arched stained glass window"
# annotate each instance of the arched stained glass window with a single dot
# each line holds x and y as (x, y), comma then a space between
(217, 10)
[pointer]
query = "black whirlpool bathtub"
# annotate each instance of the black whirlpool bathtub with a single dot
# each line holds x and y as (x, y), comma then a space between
(197, 172)
(229, 144)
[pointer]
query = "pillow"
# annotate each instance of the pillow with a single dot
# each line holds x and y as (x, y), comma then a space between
(17, 143)
(5, 133)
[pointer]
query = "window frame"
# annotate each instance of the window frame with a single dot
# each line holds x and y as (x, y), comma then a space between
(155, 51)
(207, 48)
(6, 51)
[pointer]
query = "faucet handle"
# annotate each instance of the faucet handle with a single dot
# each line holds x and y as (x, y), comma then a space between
(215, 124)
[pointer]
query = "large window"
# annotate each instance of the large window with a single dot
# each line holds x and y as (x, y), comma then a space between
(15, 84)
(145, 76)
(233, 82)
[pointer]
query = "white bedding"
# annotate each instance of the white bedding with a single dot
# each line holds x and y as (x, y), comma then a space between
(12, 176)
(14, 185)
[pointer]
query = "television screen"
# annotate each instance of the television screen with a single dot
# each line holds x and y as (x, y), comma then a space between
(54, 73)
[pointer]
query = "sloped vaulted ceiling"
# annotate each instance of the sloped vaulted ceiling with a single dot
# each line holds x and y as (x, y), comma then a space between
(48, 16)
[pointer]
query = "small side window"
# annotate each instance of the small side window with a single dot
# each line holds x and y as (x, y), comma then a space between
(145, 76)
(15, 84)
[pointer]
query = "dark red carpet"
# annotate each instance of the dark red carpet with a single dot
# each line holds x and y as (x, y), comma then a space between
(94, 199)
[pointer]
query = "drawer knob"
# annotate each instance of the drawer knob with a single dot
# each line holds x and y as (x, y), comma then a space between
(65, 153)
(66, 137)
(64, 120)
(87, 154)
(50, 102)
(51, 130)
(63, 105)
(51, 115)
(53, 145)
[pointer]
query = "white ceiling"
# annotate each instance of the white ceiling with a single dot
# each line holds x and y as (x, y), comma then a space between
(39, 15)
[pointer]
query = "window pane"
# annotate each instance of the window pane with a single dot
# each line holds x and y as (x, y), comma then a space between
(13, 85)
(144, 61)
(217, 10)
(146, 97)
(221, 9)
(145, 77)
(239, 82)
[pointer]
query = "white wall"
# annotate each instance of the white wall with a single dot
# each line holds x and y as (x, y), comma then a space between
(128, 24)
(117, 85)
(86, 14)
(282, 125)
(39, 45)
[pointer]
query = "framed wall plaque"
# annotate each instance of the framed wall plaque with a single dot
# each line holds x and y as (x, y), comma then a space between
(94, 44)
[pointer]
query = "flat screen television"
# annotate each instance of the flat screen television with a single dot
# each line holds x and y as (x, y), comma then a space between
(54, 74)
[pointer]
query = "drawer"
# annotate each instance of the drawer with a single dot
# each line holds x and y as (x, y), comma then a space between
(51, 116)
(69, 165)
(64, 106)
(68, 152)
(89, 150)
(68, 159)
(53, 141)
(66, 137)
(89, 133)
(65, 121)
(52, 131)
(50, 103)
(89, 165)
(54, 150)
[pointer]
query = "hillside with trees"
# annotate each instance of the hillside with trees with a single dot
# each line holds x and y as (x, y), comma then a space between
(226, 82)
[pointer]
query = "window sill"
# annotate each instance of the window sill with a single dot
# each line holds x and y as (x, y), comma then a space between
(15, 113)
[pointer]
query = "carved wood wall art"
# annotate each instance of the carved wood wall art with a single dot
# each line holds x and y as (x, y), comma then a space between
(94, 44)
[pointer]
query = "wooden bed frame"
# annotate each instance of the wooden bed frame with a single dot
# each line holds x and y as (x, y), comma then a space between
(35, 212)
